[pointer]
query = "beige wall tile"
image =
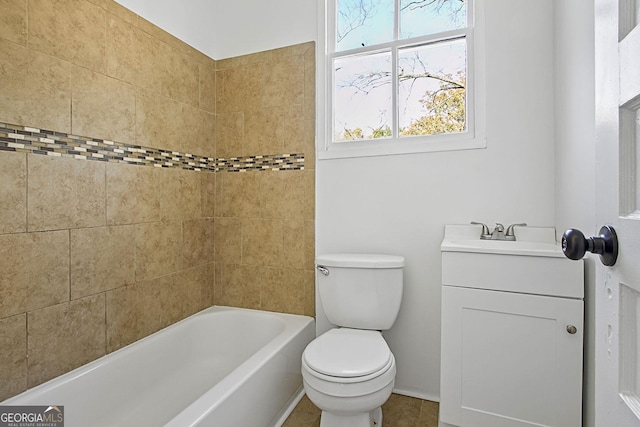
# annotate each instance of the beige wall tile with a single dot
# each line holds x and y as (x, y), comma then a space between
(167, 70)
(35, 271)
(228, 240)
(310, 147)
(282, 194)
(238, 285)
(262, 241)
(65, 336)
(159, 121)
(271, 194)
(237, 194)
(73, 30)
(193, 288)
(149, 51)
(135, 311)
(101, 259)
(238, 89)
(13, 21)
(182, 81)
(158, 249)
(282, 83)
(198, 242)
(13, 356)
(116, 9)
(209, 289)
(263, 132)
(208, 86)
(293, 253)
(65, 193)
(309, 245)
(230, 134)
(310, 83)
(309, 178)
(295, 191)
(294, 131)
(133, 194)
(309, 278)
(180, 195)
(121, 317)
(103, 107)
(198, 132)
(13, 192)
(208, 193)
(283, 290)
(121, 49)
(35, 89)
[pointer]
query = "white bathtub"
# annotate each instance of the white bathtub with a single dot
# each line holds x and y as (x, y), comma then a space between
(220, 367)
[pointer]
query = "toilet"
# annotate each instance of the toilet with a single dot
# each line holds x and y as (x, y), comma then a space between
(349, 371)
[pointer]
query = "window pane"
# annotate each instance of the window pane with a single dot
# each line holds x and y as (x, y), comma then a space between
(364, 23)
(362, 97)
(424, 17)
(432, 88)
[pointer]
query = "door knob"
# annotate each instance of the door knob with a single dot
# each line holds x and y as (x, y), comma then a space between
(575, 245)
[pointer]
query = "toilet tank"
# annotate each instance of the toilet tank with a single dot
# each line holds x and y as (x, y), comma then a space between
(362, 291)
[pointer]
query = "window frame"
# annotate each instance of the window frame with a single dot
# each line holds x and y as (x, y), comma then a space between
(472, 138)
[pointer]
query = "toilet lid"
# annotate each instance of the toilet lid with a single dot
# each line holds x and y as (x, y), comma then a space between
(347, 353)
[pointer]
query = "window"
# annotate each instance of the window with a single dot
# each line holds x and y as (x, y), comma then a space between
(400, 76)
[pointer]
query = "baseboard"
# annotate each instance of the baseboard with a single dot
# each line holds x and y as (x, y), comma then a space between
(413, 393)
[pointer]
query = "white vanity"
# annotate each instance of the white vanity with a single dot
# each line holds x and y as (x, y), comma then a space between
(512, 331)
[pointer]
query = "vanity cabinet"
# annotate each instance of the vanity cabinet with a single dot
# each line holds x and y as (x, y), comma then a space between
(510, 356)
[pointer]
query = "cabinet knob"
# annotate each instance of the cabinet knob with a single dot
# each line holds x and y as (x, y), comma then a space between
(572, 329)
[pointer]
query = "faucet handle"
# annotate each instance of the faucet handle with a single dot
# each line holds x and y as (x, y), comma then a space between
(510, 234)
(485, 230)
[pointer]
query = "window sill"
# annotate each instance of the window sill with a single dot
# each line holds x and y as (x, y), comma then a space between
(390, 147)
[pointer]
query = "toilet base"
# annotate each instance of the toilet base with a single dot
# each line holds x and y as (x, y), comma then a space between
(362, 419)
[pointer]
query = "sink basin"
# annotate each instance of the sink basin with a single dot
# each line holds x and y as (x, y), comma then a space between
(531, 241)
(550, 249)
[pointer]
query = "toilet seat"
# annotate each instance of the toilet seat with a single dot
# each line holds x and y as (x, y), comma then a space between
(348, 371)
(348, 355)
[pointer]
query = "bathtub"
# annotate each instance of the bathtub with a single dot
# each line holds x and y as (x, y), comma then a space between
(220, 367)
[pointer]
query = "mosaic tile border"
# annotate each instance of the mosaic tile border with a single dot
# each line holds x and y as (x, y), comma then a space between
(57, 144)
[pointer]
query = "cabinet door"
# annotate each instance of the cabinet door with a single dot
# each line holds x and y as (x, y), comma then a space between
(508, 359)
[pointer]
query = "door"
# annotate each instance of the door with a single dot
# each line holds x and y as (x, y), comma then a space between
(617, 55)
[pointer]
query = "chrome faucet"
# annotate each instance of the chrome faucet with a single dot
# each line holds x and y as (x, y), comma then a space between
(498, 232)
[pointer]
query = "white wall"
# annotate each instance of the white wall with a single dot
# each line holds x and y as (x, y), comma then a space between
(400, 204)
(575, 151)
(223, 29)
(263, 25)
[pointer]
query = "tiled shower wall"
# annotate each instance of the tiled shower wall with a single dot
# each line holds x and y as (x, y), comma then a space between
(95, 255)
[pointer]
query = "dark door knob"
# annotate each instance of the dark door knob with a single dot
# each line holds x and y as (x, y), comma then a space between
(575, 245)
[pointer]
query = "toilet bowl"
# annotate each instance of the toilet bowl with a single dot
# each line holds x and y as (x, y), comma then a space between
(349, 371)
(349, 374)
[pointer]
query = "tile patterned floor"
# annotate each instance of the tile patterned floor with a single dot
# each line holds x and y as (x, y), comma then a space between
(399, 411)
